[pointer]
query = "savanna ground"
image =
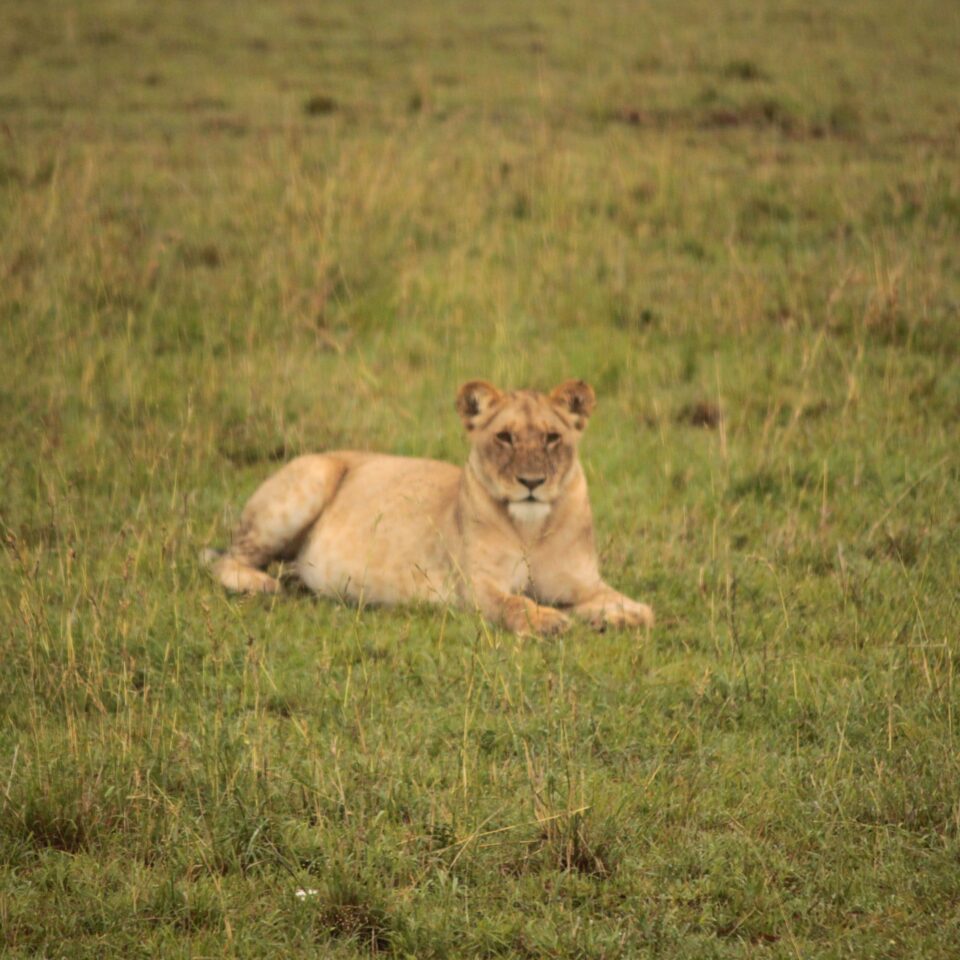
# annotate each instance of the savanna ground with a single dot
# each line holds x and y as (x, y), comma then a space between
(230, 233)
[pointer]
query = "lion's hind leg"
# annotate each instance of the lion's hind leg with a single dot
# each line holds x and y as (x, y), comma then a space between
(237, 576)
(274, 523)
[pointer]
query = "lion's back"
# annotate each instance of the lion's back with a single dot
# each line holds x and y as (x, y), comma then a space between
(389, 532)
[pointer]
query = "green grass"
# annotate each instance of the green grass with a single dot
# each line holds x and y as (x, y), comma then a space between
(231, 233)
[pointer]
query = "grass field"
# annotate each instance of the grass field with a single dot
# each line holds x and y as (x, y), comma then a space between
(230, 233)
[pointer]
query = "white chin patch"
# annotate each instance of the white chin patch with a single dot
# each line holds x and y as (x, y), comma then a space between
(528, 511)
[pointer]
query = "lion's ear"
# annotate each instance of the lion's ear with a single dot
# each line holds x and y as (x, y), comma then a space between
(474, 399)
(577, 398)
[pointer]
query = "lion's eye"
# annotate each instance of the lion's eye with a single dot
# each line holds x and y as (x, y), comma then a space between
(504, 436)
(552, 438)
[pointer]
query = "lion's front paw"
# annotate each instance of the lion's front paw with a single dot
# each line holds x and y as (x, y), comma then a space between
(619, 614)
(527, 617)
(634, 615)
(549, 621)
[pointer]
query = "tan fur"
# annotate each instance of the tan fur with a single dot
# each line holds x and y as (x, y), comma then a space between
(380, 529)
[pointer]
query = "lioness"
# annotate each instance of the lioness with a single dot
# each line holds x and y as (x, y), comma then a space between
(511, 533)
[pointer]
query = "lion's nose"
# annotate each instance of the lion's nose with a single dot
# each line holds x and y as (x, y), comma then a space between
(531, 483)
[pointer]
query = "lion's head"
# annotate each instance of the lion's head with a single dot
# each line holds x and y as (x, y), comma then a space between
(524, 443)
